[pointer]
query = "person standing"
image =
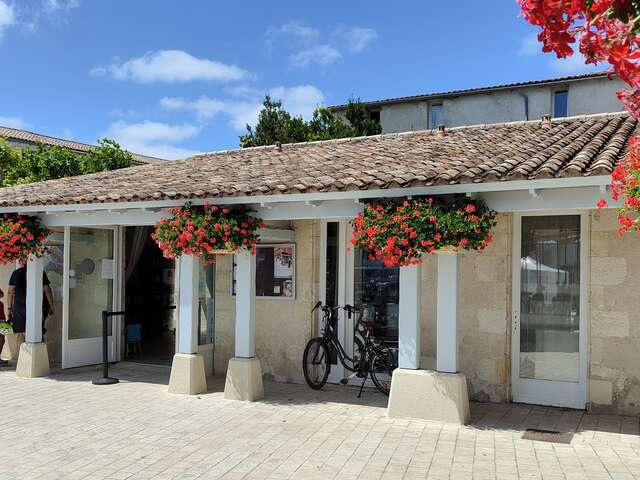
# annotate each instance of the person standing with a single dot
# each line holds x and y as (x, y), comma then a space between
(3, 363)
(17, 301)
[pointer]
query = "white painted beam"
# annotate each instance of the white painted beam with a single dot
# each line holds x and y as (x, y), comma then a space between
(409, 314)
(447, 313)
(515, 185)
(33, 331)
(245, 305)
(188, 306)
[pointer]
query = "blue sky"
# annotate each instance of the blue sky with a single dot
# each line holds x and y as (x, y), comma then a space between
(170, 78)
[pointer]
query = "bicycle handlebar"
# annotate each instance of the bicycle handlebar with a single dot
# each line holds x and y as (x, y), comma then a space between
(350, 309)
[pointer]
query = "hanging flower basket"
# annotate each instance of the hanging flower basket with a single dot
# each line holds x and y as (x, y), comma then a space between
(400, 233)
(20, 237)
(206, 231)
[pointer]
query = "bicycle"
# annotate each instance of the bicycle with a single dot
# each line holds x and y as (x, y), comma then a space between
(371, 358)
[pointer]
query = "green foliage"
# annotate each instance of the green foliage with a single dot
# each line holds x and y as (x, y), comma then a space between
(275, 124)
(46, 162)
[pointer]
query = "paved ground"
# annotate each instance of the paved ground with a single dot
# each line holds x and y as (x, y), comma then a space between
(62, 427)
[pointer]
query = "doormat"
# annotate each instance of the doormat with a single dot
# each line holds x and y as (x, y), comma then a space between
(547, 436)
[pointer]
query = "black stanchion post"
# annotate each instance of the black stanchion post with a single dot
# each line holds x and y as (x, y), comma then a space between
(106, 379)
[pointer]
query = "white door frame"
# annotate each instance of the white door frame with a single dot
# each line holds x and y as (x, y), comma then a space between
(549, 392)
(345, 274)
(71, 349)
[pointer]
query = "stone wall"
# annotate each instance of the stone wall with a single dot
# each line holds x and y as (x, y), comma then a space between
(614, 357)
(483, 315)
(283, 327)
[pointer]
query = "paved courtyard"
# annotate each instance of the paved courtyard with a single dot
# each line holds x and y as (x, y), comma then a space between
(62, 427)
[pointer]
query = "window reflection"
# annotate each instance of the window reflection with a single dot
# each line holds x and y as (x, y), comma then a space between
(377, 290)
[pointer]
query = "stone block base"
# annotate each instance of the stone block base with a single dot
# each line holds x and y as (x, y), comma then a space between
(187, 374)
(429, 395)
(244, 380)
(33, 360)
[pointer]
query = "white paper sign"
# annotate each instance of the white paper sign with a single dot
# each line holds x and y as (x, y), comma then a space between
(107, 268)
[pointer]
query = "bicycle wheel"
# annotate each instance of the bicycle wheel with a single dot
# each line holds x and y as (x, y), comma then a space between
(316, 363)
(381, 368)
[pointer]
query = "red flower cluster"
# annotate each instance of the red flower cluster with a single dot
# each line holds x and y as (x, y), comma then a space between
(20, 237)
(399, 234)
(205, 231)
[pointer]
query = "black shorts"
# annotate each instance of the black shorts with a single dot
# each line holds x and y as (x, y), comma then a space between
(19, 322)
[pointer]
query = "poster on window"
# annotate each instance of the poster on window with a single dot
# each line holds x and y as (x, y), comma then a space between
(283, 262)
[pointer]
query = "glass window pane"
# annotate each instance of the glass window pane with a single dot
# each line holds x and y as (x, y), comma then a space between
(206, 304)
(550, 298)
(560, 103)
(436, 116)
(377, 291)
(90, 280)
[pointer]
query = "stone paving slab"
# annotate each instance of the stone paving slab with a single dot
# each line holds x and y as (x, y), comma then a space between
(63, 427)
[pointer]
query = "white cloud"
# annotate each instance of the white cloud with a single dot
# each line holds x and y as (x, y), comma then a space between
(154, 138)
(309, 46)
(299, 100)
(171, 66)
(530, 46)
(52, 6)
(573, 64)
(13, 122)
(298, 30)
(357, 38)
(7, 16)
(322, 55)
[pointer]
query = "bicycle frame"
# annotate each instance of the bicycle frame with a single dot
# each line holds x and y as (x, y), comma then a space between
(331, 337)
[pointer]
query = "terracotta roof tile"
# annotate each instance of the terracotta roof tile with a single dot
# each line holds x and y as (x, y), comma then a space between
(579, 146)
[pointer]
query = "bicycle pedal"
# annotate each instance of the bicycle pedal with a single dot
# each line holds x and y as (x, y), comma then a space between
(344, 381)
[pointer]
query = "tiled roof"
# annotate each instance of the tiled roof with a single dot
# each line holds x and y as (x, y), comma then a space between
(570, 147)
(34, 138)
(469, 91)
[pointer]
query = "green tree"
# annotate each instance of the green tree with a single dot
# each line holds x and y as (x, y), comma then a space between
(275, 124)
(45, 162)
(357, 115)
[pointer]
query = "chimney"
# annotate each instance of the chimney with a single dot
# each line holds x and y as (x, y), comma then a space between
(279, 146)
(546, 120)
(441, 130)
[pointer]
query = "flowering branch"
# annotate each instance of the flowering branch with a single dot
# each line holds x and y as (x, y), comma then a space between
(606, 31)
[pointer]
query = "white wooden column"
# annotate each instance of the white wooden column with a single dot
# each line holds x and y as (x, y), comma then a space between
(245, 305)
(446, 312)
(188, 306)
(33, 331)
(409, 317)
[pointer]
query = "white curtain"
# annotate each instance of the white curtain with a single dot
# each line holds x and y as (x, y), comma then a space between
(136, 241)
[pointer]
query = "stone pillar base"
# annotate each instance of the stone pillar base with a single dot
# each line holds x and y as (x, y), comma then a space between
(244, 380)
(33, 360)
(429, 395)
(187, 374)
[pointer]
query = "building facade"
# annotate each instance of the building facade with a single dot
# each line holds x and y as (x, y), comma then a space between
(558, 97)
(543, 316)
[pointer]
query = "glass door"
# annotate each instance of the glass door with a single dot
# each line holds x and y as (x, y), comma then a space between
(90, 268)
(549, 358)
